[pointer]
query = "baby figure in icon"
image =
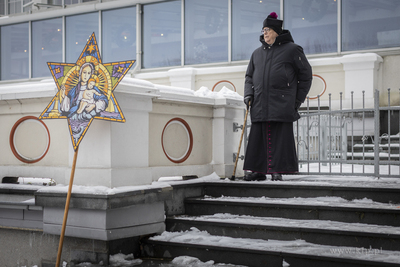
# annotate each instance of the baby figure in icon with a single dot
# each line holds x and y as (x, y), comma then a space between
(87, 102)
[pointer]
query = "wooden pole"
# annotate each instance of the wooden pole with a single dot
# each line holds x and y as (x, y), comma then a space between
(71, 181)
(240, 143)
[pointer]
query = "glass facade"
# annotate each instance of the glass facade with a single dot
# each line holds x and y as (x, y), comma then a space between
(313, 24)
(119, 34)
(2, 8)
(14, 6)
(370, 24)
(247, 20)
(214, 31)
(14, 51)
(47, 45)
(162, 33)
(78, 29)
(206, 31)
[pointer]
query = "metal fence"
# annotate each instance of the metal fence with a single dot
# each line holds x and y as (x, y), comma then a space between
(349, 141)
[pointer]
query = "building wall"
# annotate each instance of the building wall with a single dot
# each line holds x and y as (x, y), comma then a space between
(199, 120)
(330, 80)
(30, 248)
(54, 164)
(391, 79)
(130, 153)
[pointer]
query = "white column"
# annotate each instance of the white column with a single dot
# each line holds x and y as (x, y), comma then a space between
(225, 141)
(362, 73)
(182, 77)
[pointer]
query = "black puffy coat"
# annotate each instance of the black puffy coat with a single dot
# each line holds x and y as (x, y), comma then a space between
(278, 77)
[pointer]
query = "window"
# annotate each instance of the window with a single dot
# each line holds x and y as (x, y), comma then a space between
(206, 31)
(46, 45)
(313, 24)
(370, 24)
(78, 29)
(71, 2)
(2, 7)
(14, 51)
(162, 34)
(55, 2)
(247, 22)
(14, 6)
(26, 6)
(119, 34)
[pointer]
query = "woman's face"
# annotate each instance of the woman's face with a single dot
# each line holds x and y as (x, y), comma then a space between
(86, 73)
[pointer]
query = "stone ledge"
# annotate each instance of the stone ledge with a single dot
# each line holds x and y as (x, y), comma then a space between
(136, 220)
(104, 200)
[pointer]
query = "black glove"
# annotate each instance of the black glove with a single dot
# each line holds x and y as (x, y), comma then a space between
(297, 105)
(248, 100)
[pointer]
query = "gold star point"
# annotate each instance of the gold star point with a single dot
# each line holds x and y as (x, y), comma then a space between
(91, 48)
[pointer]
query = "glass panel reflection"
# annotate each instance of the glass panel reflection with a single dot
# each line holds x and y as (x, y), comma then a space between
(247, 21)
(2, 7)
(14, 6)
(370, 24)
(46, 45)
(78, 30)
(162, 35)
(14, 51)
(313, 24)
(206, 31)
(119, 35)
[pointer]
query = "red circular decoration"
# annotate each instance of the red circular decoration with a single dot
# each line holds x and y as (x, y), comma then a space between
(13, 148)
(224, 81)
(190, 145)
(323, 91)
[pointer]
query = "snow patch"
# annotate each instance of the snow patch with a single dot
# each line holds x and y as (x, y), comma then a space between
(185, 261)
(122, 260)
(312, 201)
(297, 223)
(223, 93)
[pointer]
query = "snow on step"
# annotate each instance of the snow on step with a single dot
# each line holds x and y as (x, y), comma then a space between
(197, 237)
(279, 222)
(314, 201)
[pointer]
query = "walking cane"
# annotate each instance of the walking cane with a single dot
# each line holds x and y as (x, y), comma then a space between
(240, 143)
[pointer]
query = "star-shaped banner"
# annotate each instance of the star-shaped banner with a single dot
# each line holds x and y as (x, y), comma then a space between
(85, 91)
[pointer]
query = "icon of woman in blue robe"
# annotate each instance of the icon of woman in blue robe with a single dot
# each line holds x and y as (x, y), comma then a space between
(70, 103)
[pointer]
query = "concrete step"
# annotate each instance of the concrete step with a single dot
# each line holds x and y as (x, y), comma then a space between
(289, 223)
(325, 208)
(371, 156)
(258, 252)
(392, 147)
(393, 139)
(287, 189)
(313, 231)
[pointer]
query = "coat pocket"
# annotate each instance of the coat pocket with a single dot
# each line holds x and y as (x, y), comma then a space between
(282, 104)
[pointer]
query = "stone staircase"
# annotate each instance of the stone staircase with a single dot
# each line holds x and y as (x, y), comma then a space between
(366, 151)
(290, 223)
